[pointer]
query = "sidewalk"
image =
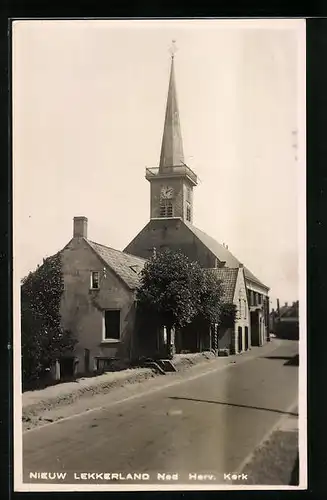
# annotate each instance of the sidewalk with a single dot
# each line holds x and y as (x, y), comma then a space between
(67, 392)
(56, 396)
(276, 460)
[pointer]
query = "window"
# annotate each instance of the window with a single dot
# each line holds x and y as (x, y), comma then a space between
(245, 309)
(259, 298)
(95, 280)
(166, 208)
(239, 309)
(188, 194)
(188, 212)
(111, 324)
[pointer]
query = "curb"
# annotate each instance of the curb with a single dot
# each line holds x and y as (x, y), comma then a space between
(85, 391)
(275, 458)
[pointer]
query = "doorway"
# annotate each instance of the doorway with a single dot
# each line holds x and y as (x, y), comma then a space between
(240, 339)
(67, 365)
(86, 360)
(246, 338)
(255, 329)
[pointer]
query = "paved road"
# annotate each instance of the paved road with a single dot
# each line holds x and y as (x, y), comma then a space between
(205, 425)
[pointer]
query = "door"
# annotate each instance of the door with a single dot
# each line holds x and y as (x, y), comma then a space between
(246, 338)
(240, 339)
(86, 360)
(67, 367)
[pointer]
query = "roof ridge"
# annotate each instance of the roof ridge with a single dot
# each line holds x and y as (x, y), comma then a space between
(252, 277)
(216, 241)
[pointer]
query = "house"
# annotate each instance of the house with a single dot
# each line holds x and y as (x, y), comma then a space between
(171, 225)
(98, 302)
(238, 339)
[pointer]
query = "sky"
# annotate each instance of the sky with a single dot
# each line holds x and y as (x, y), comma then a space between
(88, 113)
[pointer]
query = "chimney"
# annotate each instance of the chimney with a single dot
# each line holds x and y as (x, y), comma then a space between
(278, 306)
(80, 227)
(286, 304)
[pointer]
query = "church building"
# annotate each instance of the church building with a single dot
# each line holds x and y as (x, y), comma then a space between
(172, 186)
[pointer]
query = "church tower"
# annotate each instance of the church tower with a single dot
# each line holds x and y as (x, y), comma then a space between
(171, 226)
(173, 181)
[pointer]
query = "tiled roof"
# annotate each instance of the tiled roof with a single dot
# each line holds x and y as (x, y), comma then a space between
(126, 266)
(228, 276)
(222, 253)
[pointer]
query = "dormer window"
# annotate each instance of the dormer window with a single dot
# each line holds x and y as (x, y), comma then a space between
(95, 280)
(166, 208)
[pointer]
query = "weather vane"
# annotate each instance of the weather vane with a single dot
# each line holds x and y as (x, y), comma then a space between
(173, 49)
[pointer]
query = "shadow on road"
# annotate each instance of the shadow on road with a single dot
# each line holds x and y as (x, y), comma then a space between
(289, 360)
(293, 361)
(236, 405)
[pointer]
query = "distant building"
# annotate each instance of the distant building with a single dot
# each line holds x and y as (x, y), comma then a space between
(171, 220)
(284, 321)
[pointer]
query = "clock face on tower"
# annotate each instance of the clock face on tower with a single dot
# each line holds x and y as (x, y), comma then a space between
(167, 192)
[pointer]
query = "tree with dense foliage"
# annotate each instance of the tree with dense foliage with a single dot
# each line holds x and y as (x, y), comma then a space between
(177, 291)
(210, 291)
(167, 290)
(226, 321)
(228, 315)
(43, 338)
(210, 294)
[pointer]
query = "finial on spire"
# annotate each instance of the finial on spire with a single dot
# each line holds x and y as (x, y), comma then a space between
(173, 49)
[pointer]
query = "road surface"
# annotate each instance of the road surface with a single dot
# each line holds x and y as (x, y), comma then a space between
(205, 425)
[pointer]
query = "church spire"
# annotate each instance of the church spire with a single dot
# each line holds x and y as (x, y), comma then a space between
(173, 181)
(172, 145)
